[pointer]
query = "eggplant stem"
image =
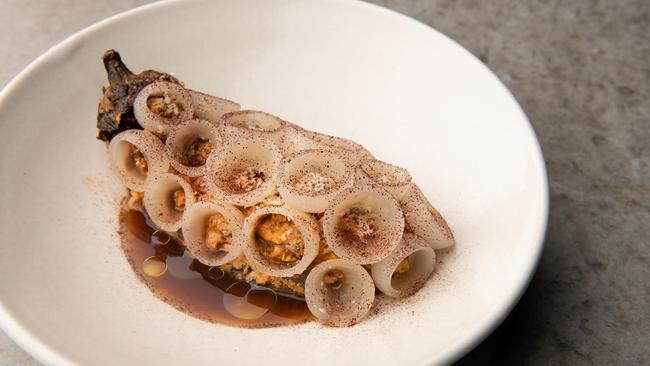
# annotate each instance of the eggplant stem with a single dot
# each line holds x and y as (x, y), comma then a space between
(118, 73)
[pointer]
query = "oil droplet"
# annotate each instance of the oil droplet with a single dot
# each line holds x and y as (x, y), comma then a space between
(154, 267)
(244, 302)
(160, 237)
(216, 273)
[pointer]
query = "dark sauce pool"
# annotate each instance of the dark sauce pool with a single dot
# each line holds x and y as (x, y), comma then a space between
(204, 292)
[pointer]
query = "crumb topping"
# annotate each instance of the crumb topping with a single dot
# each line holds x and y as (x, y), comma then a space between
(218, 235)
(273, 200)
(179, 200)
(139, 160)
(199, 187)
(314, 182)
(135, 199)
(278, 239)
(359, 223)
(197, 152)
(249, 179)
(239, 264)
(333, 278)
(164, 106)
(402, 267)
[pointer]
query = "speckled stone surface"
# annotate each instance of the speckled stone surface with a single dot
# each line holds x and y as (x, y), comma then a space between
(581, 71)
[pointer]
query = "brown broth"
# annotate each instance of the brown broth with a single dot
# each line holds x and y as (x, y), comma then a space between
(204, 292)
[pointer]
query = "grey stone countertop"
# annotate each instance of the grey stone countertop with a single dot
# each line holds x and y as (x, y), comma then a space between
(581, 71)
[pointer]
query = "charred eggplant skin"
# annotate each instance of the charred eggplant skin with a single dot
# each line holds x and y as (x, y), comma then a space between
(115, 110)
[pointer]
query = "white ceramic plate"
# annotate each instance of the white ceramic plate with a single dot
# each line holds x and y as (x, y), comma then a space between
(411, 95)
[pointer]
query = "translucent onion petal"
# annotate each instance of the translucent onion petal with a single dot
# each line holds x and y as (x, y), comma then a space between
(424, 220)
(195, 224)
(392, 178)
(345, 304)
(421, 259)
(310, 179)
(242, 151)
(388, 221)
(182, 136)
(293, 140)
(159, 200)
(211, 108)
(349, 149)
(256, 122)
(120, 152)
(308, 228)
(156, 123)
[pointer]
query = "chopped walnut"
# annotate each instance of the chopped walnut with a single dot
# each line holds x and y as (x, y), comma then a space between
(164, 106)
(218, 235)
(273, 200)
(277, 282)
(197, 152)
(333, 278)
(279, 239)
(239, 264)
(402, 267)
(282, 254)
(135, 199)
(179, 200)
(258, 277)
(139, 160)
(249, 179)
(199, 187)
(313, 182)
(297, 287)
(359, 223)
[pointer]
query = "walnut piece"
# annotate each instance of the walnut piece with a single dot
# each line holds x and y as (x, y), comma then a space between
(249, 179)
(358, 222)
(218, 235)
(139, 160)
(179, 200)
(197, 152)
(164, 106)
(333, 278)
(402, 267)
(314, 182)
(279, 239)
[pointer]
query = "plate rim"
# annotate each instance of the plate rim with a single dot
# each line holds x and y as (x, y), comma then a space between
(45, 354)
